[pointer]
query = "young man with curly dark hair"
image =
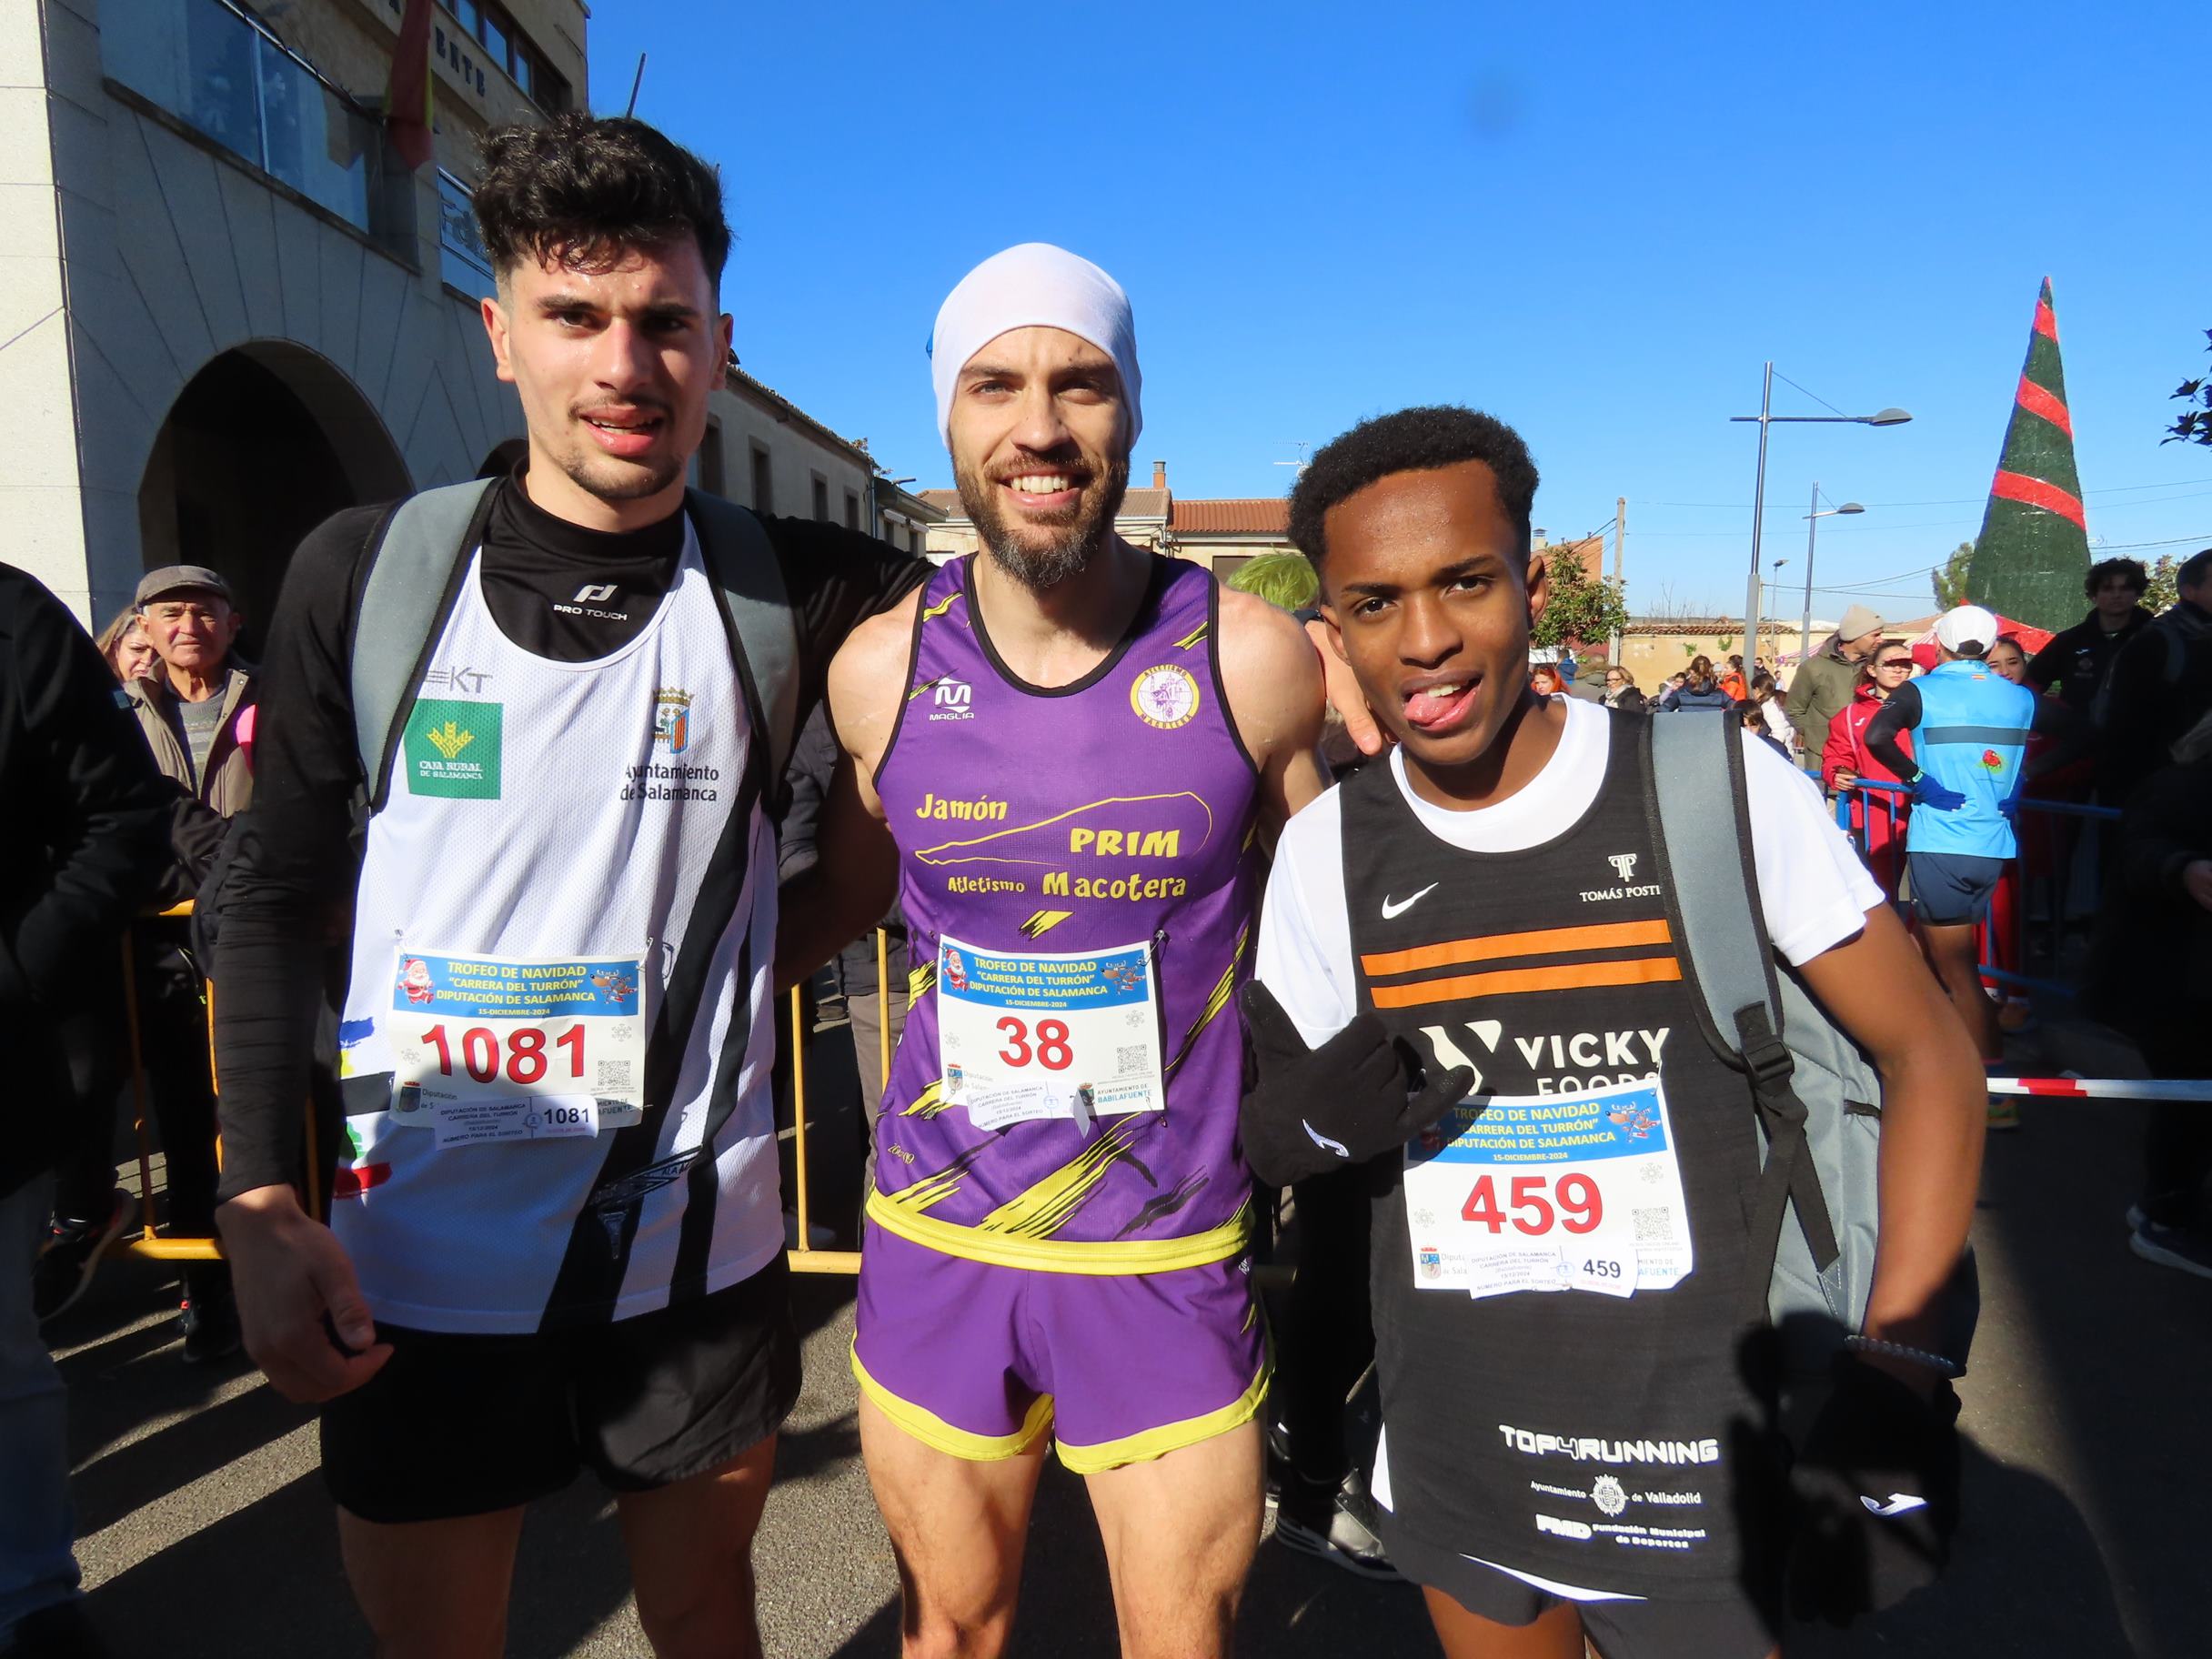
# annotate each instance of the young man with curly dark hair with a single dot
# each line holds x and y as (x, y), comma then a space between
(1482, 921)
(556, 1242)
(2077, 658)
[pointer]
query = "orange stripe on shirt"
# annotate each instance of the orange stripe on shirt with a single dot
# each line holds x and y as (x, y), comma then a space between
(1546, 941)
(1572, 976)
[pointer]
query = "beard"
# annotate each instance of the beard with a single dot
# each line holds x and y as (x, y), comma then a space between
(611, 477)
(1071, 538)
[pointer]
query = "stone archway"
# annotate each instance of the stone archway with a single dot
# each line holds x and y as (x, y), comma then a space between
(262, 444)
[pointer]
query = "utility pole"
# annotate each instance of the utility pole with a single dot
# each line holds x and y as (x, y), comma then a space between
(1620, 540)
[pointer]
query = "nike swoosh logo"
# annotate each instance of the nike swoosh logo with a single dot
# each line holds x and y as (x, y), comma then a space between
(1327, 1145)
(1899, 1504)
(1392, 910)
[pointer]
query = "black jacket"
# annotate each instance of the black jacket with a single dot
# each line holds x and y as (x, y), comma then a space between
(2152, 962)
(2158, 686)
(2077, 658)
(83, 837)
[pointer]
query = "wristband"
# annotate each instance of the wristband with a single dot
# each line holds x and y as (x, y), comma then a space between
(1898, 1351)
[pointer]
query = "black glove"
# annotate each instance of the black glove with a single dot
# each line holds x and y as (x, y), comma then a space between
(1308, 1111)
(1875, 1494)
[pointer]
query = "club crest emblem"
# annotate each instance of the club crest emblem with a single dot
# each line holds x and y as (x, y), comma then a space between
(1165, 696)
(672, 719)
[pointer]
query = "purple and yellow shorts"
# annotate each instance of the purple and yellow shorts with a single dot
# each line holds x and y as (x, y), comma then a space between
(982, 1361)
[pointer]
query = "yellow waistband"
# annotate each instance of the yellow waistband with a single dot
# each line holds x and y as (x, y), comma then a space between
(1108, 1256)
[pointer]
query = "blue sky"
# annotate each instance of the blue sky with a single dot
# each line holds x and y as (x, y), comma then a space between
(1596, 225)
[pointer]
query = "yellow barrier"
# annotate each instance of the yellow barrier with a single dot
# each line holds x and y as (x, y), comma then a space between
(803, 1257)
(151, 1243)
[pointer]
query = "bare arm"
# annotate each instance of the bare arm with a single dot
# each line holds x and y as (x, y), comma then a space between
(1933, 1119)
(1275, 685)
(854, 875)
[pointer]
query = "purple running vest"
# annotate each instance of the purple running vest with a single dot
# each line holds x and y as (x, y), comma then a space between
(1073, 819)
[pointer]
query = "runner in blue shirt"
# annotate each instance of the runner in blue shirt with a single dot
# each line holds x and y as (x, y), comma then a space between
(1970, 727)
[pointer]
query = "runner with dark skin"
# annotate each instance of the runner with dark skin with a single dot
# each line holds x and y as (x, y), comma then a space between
(1429, 594)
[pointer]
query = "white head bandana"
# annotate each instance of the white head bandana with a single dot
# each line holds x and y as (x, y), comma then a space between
(1033, 286)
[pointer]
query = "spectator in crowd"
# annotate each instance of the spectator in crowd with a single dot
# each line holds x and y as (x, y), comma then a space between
(2162, 918)
(2159, 686)
(2077, 658)
(1824, 683)
(1753, 719)
(1733, 682)
(89, 1210)
(1844, 759)
(196, 711)
(1697, 690)
(1768, 696)
(1621, 690)
(1569, 666)
(123, 642)
(2043, 842)
(1544, 679)
(80, 843)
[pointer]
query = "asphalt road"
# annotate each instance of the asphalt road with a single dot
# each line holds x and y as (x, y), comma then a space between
(205, 1531)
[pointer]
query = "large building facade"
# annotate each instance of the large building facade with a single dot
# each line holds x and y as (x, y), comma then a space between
(228, 309)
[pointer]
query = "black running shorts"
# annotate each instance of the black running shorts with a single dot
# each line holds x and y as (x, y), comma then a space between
(1732, 1628)
(1952, 889)
(468, 1425)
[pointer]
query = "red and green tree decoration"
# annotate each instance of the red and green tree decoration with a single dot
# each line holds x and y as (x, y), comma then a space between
(2033, 548)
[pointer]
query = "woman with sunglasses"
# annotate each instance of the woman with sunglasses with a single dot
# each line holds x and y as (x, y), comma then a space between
(1876, 826)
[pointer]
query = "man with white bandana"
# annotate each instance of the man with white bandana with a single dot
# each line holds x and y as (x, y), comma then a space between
(1078, 746)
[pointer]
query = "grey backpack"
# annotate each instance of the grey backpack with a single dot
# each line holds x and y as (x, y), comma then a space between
(417, 564)
(1813, 1211)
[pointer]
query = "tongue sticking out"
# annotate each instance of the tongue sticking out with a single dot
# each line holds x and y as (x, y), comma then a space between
(1429, 712)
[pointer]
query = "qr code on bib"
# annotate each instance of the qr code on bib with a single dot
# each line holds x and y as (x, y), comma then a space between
(1129, 1060)
(1655, 1226)
(614, 1076)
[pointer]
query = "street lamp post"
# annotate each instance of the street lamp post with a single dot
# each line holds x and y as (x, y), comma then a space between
(1766, 418)
(1776, 568)
(1812, 528)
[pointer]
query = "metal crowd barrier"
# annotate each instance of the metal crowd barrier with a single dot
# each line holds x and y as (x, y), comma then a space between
(150, 1241)
(153, 1243)
(2012, 927)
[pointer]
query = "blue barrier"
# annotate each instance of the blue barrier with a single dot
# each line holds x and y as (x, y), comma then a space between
(2058, 881)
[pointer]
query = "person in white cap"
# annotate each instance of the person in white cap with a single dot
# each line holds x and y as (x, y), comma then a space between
(1970, 727)
(1079, 747)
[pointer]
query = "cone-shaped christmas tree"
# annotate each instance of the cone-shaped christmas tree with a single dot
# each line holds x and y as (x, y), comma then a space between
(2033, 546)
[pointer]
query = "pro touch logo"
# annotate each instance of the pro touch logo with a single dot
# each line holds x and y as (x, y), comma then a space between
(594, 593)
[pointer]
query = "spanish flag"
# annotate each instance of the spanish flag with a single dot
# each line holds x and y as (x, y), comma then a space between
(407, 110)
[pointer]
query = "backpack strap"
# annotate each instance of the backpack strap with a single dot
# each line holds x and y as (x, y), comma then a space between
(411, 574)
(1711, 882)
(757, 605)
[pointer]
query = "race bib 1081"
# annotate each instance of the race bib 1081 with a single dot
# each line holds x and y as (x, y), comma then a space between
(499, 1049)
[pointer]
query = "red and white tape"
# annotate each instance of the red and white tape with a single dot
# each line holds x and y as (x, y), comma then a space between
(2105, 1088)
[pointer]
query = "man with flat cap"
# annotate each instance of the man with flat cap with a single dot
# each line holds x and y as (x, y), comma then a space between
(1078, 747)
(197, 709)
